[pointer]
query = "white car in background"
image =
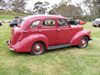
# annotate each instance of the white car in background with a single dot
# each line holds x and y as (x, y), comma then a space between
(6, 21)
(96, 22)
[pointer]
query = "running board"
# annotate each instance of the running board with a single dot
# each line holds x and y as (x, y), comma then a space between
(58, 46)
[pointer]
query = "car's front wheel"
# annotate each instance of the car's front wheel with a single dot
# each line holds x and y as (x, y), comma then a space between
(83, 42)
(38, 48)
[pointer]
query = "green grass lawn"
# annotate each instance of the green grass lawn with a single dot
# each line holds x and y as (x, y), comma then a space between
(10, 15)
(66, 61)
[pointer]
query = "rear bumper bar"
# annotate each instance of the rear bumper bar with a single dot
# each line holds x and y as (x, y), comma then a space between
(8, 44)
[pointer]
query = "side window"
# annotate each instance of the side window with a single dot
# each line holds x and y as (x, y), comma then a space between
(62, 22)
(49, 22)
(35, 23)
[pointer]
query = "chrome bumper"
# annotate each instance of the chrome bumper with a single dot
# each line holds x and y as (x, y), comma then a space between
(8, 43)
(12, 49)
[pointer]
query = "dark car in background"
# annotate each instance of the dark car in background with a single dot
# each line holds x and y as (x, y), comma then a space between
(15, 22)
(72, 21)
(96, 22)
(0, 23)
(76, 22)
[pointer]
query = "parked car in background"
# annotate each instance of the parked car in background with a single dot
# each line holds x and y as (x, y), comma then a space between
(76, 22)
(0, 23)
(6, 21)
(96, 22)
(39, 33)
(81, 22)
(73, 22)
(15, 22)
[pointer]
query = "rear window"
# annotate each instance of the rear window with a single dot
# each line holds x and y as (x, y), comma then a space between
(35, 23)
(49, 22)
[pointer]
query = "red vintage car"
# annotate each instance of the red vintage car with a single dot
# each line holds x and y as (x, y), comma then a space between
(38, 33)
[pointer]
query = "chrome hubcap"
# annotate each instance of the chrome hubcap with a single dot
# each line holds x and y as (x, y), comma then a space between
(38, 48)
(83, 43)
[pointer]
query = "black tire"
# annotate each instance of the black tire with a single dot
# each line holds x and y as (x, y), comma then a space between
(11, 25)
(0, 24)
(94, 26)
(38, 48)
(83, 42)
(99, 25)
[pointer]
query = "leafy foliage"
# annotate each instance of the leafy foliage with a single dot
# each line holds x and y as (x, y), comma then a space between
(66, 9)
(40, 7)
(19, 5)
(97, 7)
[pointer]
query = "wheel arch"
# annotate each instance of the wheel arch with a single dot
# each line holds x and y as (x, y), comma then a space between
(42, 39)
(78, 36)
(26, 44)
(87, 37)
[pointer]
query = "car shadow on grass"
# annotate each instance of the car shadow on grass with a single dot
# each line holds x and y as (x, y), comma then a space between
(48, 51)
(19, 53)
(62, 49)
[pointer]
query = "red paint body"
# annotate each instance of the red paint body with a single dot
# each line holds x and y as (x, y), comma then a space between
(23, 37)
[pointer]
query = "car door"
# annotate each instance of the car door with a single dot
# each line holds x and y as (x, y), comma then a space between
(49, 30)
(64, 32)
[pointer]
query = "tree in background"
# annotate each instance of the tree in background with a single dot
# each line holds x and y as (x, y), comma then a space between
(89, 5)
(65, 8)
(2, 4)
(40, 7)
(8, 4)
(93, 7)
(97, 7)
(18, 5)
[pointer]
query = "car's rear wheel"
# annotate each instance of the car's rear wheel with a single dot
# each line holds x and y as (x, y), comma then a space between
(38, 48)
(83, 42)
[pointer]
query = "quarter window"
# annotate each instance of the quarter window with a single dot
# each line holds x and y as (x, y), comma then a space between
(35, 23)
(49, 22)
(62, 22)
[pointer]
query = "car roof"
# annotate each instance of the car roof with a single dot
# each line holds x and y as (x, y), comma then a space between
(43, 16)
(97, 19)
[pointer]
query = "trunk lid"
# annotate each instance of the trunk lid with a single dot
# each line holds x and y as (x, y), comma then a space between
(15, 34)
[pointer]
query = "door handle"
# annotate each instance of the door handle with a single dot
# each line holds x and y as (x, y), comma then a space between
(58, 30)
(39, 30)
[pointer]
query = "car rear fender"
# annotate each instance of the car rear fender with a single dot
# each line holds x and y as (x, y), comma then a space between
(26, 43)
(78, 36)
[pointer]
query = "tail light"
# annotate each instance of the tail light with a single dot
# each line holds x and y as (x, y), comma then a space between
(11, 38)
(21, 35)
